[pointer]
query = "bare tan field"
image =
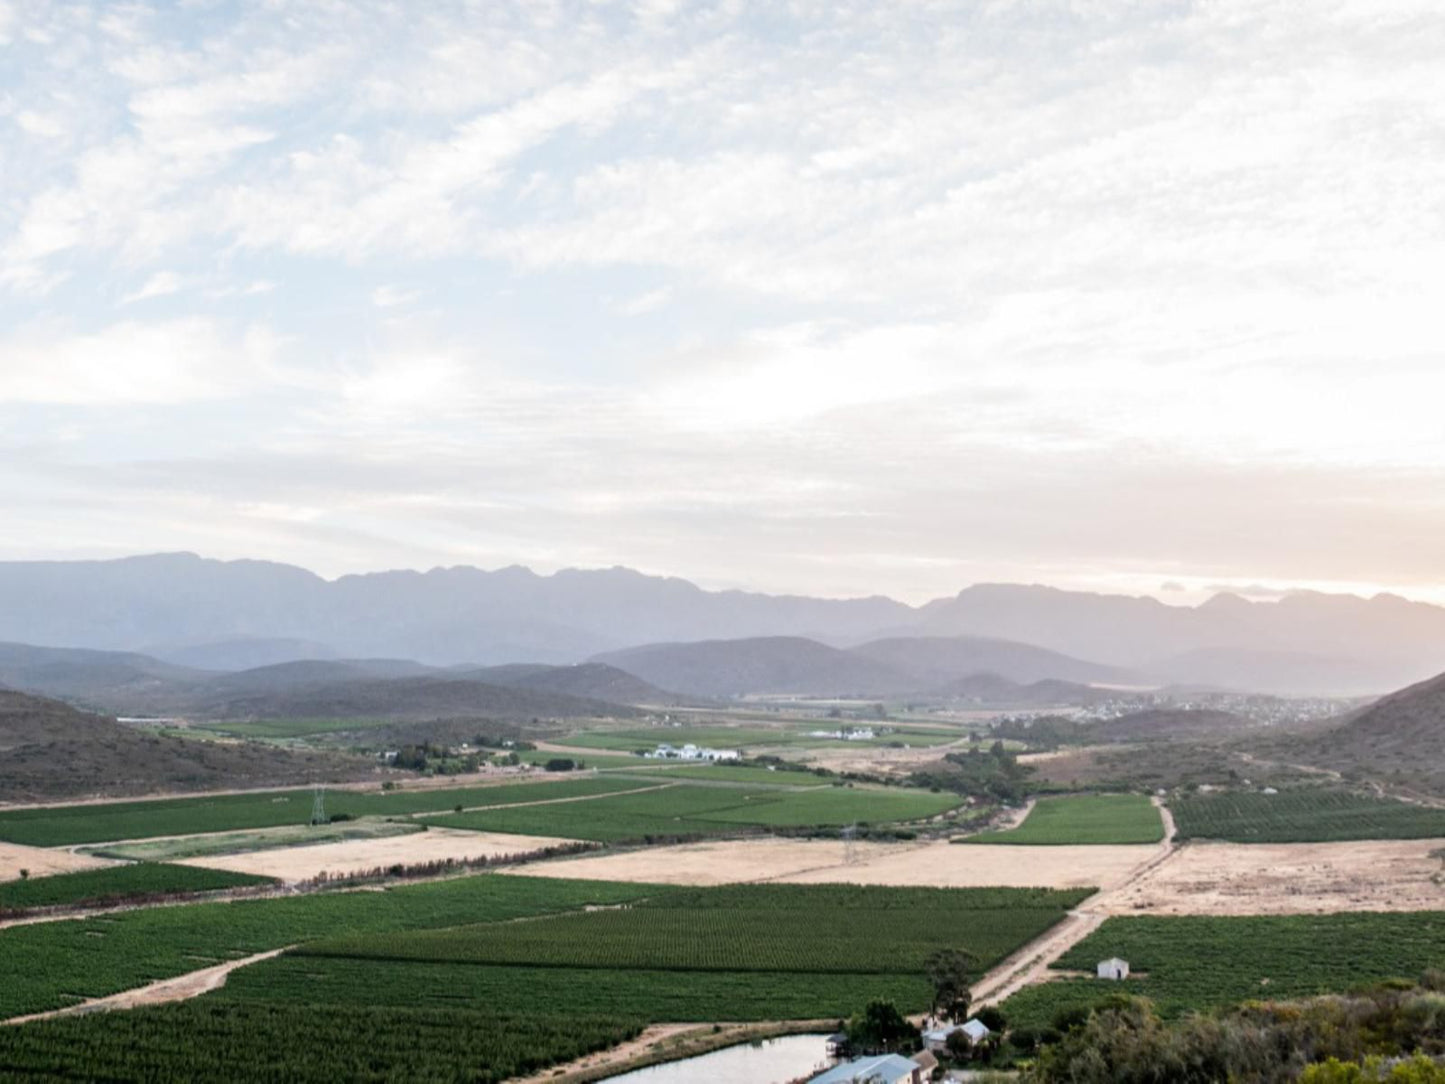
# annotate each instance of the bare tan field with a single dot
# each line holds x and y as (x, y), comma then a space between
(42, 861)
(300, 863)
(822, 861)
(1289, 878)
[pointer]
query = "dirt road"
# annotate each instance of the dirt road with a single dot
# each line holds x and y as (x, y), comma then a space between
(1030, 964)
(180, 988)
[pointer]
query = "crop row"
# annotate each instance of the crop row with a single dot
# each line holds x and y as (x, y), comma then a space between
(118, 883)
(64, 962)
(685, 810)
(230, 1040)
(68, 825)
(1089, 818)
(762, 930)
(1197, 962)
(647, 995)
(1306, 815)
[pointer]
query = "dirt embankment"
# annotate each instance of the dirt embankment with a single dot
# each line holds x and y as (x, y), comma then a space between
(42, 861)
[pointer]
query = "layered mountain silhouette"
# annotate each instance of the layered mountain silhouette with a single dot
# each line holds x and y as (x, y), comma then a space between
(206, 614)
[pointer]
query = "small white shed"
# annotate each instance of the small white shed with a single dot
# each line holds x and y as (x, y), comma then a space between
(1113, 968)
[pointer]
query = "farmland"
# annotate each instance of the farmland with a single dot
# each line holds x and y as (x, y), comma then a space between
(1304, 815)
(723, 773)
(68, 961)
(751, 737)
(1088, 818)
(283, 729)
(55, 826)
(117, 883)
(776, 928)
(648, 995)
(166, 849)
(213, 1039)
(688, 810)
(1205, 961)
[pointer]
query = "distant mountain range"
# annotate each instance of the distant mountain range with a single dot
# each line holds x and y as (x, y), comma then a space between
(133, 684)
(215, 615)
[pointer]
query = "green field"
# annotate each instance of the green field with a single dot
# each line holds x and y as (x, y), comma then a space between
(57, 826)
(1086, 818)
(774, 928)
(648, 995)
(113, 885)
(687, 809)
(280, 729)
(64, 962)
(371, 997)
(213, 1039)
(1306, 815)
(260, 839)
(1199, 962)
(724, 773)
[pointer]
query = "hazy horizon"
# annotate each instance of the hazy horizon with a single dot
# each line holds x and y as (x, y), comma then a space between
(1167, 594)
(825, 301)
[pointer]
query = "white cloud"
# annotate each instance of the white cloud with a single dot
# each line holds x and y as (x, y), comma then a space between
(160, 284)
(175, 362)
(1044, 261)
(389, 296)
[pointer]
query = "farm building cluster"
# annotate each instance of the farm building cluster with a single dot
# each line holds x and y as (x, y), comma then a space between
(692, 752)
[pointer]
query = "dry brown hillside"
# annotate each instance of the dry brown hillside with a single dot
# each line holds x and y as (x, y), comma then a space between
(49, 750)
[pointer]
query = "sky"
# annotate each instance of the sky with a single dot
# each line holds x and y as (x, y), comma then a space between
(830, 297)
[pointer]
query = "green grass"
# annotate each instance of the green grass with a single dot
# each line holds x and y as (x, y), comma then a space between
(214, 1039)
(57, 826)
(118, 883)
(1199, 962)
(774, 928)
(1087, 818)
(259, 839)
(64, 962)
(723, 773)
(280, 729)
(1305, 815)
(666, 811)
(833, 806)
(686, 810)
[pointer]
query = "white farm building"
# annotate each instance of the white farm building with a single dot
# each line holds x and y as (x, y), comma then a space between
(1114, 968)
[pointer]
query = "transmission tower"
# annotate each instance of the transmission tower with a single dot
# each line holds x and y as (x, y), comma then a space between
(318, 806)
(850, 845)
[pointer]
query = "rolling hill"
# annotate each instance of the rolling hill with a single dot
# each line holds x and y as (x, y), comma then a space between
(762, 665)
(1170, 724)
(1400, 737)
(588, 680)
(991, 690)
(49, 750)
(415, 698)
(937, 660)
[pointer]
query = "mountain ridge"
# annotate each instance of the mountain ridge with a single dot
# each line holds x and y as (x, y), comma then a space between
(222, 612)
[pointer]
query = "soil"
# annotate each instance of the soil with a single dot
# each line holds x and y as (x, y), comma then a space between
(825, 861)
(42, 861)
(1290, 878)
(303, 863)
(181, 988)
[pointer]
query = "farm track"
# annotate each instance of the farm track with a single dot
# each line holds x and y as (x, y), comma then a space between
(179, 988)
(1030, 964)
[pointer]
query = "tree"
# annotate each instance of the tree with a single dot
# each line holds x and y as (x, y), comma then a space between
(950, 973)
(881, 1028)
